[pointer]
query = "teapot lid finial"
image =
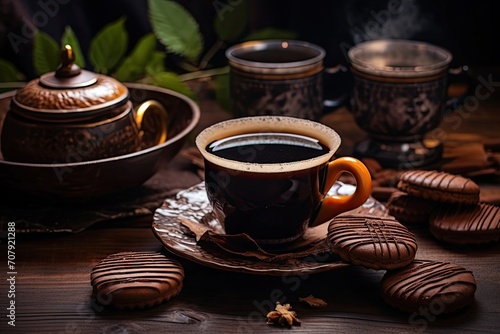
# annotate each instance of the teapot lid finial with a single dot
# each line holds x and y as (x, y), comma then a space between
(68, 68)
(68, 74)
(67, 55)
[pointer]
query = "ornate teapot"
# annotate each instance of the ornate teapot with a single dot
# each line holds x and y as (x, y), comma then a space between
(74, 115)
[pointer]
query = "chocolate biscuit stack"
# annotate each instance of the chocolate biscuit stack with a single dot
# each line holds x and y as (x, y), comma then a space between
(449, 203)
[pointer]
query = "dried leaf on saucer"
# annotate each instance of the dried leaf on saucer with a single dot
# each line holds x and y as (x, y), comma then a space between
(313, 242)
(236, 244)
(240, 244)
(198, 229)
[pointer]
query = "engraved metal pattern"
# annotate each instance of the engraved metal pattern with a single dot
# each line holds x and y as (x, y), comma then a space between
(396, 109)
(301, 97)
(104, 91)
(71, 143)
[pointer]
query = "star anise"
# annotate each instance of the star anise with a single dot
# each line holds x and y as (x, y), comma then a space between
(283, 316)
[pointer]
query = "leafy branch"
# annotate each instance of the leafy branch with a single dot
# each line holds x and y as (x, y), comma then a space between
(177, 32)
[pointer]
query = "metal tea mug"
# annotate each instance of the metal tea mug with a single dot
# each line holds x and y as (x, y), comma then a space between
(276, 77)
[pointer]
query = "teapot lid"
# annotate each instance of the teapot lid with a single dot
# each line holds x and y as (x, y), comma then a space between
(70, 90)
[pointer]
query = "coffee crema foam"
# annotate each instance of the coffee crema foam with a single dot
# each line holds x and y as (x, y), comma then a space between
(268, 124)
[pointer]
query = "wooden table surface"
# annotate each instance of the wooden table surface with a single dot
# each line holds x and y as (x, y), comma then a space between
(53, 291)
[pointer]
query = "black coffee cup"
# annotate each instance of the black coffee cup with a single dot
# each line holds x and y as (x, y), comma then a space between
(268, 176)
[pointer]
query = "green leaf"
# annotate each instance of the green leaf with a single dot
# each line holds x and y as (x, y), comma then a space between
(69, 38)
(144, 49)
(270, 33)
(46, 53)
(156, 64)
(134, 66)
(176, 29)
(8, 72)
(172, 81)
(231, 20)
(109, 46)
(222, 92)
(128, 71)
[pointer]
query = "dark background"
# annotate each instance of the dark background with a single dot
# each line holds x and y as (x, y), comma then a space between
(469, 29)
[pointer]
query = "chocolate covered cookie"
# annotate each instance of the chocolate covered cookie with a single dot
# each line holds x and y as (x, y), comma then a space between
(371, 241)
(466, 224)
(409, 209)
(136, 279)
(439, 186)
(429, 287)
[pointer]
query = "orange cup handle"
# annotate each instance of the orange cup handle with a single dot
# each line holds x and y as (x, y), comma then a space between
(331, 206)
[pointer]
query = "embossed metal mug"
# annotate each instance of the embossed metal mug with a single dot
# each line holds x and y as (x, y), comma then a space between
(399, 95)
(276, 77)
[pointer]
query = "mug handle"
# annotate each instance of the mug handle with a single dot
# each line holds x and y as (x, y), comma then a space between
(151, 119)
(336, 92)
(463, 78)
(331, 206)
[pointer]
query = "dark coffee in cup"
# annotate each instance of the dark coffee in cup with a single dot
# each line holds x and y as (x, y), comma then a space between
(271, 147)
(271, 199)
(264, 206)
(267, 176)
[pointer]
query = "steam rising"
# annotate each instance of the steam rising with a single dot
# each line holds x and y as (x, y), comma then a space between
(392, 19)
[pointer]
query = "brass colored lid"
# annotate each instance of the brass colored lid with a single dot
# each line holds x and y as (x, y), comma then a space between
(70, 90)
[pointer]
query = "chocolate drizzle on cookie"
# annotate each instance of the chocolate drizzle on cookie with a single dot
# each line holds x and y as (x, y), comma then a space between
(439, 186)
(425, 284)
(136, 279)
(372, 242)
(465, 224)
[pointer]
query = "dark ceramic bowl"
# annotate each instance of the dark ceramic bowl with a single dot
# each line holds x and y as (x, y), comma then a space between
(87, 180)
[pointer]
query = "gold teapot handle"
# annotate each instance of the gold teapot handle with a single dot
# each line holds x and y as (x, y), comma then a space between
(151, 118)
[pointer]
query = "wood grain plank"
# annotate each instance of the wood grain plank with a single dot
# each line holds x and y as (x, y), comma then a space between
(54, 292)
